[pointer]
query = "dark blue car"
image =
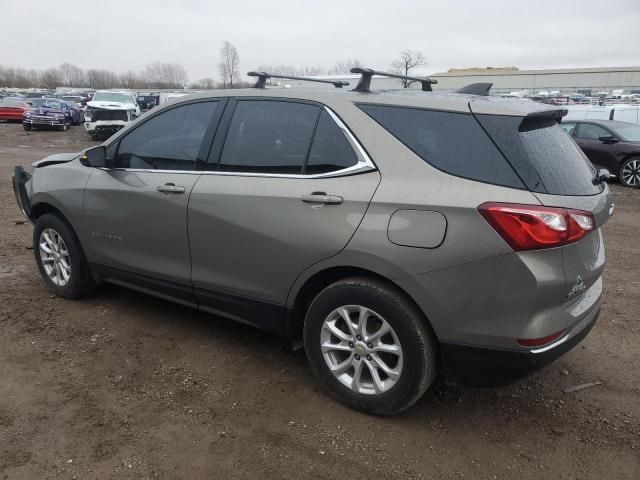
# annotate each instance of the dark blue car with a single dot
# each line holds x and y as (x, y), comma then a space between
(50, 112)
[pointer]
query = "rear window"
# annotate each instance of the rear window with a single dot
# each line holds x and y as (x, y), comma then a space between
(543, 153)
(452, 142)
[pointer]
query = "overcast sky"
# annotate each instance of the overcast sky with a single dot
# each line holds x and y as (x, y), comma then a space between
(127, 34)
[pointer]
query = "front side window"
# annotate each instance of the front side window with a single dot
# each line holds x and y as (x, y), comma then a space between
(590, 131)
(269, 137)
(170, 140)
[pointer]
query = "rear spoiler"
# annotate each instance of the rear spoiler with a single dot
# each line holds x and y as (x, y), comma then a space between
(550, 114)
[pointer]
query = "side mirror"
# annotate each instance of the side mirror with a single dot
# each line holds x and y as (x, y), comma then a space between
(608, 139)
(95, 157)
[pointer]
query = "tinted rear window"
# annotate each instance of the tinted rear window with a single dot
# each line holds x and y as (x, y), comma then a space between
(452, 142)
(543, 153)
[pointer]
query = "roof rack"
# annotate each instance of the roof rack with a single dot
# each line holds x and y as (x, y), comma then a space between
(262, 79)
(364, 85)
(476, 89)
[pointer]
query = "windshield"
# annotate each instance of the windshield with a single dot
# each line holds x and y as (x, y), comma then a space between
(112, 97)
(629, 133)
(47, 103)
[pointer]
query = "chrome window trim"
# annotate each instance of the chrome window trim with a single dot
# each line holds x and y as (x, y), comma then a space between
(365, 164)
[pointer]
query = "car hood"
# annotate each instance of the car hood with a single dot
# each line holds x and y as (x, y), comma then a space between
(112, 105)
(45, 111)
(54, 159)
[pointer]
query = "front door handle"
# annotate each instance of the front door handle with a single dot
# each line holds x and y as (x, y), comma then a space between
(170, 188)
(321, 197)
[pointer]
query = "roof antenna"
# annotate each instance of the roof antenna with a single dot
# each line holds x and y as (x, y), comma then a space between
(476, 89)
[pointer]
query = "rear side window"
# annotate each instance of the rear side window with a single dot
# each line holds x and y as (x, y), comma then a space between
(169, 141)
(543, 153)
(330, 150)
(452, 142)
(269, 137)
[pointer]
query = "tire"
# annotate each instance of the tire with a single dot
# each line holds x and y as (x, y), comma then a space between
(79, 282)
(629, 173)
(26, 127)
(415, 367)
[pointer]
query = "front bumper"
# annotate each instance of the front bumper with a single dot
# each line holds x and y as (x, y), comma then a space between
(19, 180)
(48, 122)
(495, 367)
(103, 127)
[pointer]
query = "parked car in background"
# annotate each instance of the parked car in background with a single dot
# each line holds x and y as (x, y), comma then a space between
(76, 113)
(31, 95)
(622, 113)
(47, 112)
(148, 101)
(609, 144)
(398, 234)
(108, 112)
(12, 109)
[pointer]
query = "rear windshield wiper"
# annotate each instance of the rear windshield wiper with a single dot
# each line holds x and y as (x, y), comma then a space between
(601, 176)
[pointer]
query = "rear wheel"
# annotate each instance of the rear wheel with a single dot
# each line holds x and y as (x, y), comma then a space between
(369, 347)
(60, 258)
(630, 172)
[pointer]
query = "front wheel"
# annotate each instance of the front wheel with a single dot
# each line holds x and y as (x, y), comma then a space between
(369, 346)
(630, 172)
(27, 127)
(60, 258)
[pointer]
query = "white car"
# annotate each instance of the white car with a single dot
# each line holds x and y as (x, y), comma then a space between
(108, 112)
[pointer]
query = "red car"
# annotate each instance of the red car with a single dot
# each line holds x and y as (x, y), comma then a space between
(13, 109)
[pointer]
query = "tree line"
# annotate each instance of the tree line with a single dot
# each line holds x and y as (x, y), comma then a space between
(158, 75)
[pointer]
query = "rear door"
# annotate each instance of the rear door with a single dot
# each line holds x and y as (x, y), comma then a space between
(286, 186)
(136, 210)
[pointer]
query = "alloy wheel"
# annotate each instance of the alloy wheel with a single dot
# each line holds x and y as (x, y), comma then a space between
(361, 349)
(54, 256)
(631, 173)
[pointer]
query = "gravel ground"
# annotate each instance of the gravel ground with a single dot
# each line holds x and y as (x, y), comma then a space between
(124, 385)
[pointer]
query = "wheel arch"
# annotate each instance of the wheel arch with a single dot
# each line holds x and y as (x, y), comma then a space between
(300, 298)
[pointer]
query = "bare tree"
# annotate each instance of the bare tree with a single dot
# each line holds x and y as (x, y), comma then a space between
(204, 83)
(229, 65)
(164, 75)
(343, 68)
(409, 59)
(51, 78)
(72, 76)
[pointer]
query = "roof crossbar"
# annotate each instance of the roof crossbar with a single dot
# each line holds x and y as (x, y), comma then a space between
(263, 76)
(364, 85)
(476, 89)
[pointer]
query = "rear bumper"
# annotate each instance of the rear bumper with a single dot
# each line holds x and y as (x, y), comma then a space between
(494, 367)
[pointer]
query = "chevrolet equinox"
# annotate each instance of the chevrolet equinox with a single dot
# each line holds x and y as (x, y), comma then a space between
(400, 235)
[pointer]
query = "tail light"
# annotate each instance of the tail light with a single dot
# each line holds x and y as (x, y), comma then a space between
(533, 227)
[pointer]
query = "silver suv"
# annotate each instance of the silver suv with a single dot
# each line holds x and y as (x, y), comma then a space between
(400, 235)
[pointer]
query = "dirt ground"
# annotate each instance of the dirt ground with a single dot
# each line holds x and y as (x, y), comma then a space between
(123, 385)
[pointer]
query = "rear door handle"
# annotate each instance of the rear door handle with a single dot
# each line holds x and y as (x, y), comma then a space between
(320, 197)
(170, 188)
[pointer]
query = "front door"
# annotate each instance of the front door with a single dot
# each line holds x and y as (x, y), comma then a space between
(136, 210)
(587, 136)
(287, 189)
